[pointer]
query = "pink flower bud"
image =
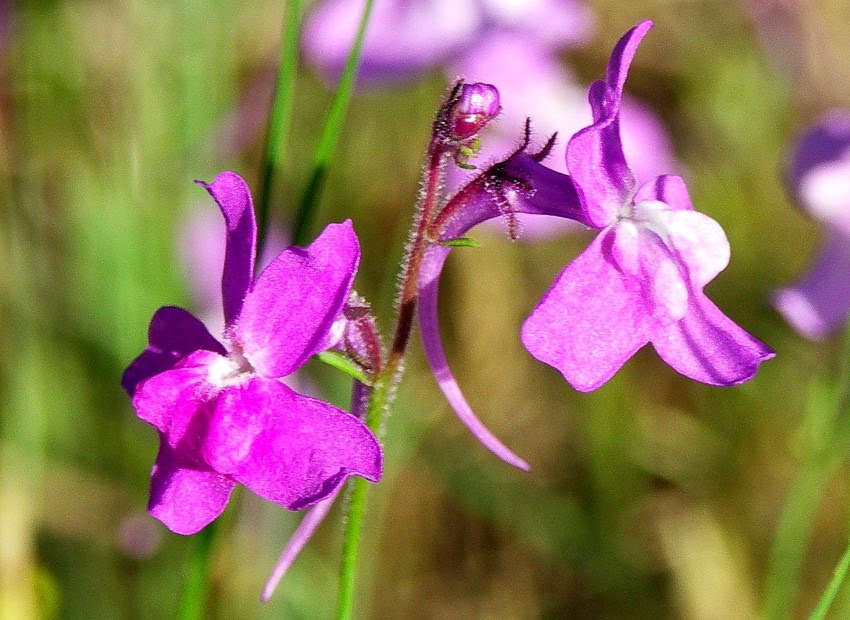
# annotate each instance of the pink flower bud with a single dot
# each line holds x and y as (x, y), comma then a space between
(476, 105)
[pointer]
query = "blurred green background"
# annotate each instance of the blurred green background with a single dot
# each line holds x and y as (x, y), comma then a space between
(653, 497)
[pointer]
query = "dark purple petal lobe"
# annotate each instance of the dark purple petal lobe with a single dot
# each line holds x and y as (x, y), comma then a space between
(622, 56)
(295, 300)
(596, 162)
(174, 402)
(173, 334)
(591, 320)
(231, 194)
(304, 450)
(186, 497)
(708, 346)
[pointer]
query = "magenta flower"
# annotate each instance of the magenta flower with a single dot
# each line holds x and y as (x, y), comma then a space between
(222, 414)
(641, 279)
(819, 179)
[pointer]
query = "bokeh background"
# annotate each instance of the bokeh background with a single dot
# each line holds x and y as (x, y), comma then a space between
(653, 497)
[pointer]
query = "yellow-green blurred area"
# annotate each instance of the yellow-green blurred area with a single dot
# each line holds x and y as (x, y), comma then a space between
(653, 497)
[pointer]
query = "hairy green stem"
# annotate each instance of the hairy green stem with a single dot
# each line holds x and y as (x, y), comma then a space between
(330, 137)
(280, 116)
(384, 387)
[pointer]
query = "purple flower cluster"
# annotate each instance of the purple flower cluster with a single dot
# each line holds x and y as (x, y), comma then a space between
(223, 414)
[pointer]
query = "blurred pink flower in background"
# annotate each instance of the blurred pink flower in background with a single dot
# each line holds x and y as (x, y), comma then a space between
(818, 303)
(407, 37)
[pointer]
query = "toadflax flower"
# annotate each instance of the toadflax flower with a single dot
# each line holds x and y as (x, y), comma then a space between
(222, 414)
(639, 281)
(641, 278)
(819, 179)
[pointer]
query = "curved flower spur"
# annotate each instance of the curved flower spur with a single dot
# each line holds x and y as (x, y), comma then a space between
(222, 414)
(639, 281)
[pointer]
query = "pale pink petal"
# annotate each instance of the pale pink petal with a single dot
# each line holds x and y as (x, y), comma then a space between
(591, 320)
(640, 254)
(292, 306)
(699, 241)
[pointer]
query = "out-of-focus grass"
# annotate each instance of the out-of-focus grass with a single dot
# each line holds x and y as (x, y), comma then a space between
(653, 497)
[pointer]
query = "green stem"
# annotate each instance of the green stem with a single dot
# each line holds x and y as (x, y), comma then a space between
(280, 117)
(379, 403)
(832, 589)
(197, 587)
(384, 387)
(351, 549)
(331, 134)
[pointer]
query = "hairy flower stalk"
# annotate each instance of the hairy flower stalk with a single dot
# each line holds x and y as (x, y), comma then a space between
(467, 110)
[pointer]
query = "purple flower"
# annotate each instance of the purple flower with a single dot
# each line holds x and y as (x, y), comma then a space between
(819, 179)
(222, 414)
(641, 279)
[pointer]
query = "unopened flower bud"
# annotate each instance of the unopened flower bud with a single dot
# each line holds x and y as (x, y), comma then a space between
(476, 105)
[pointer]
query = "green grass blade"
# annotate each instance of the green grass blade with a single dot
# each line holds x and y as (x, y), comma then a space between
(330, 136)
(280, 117)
